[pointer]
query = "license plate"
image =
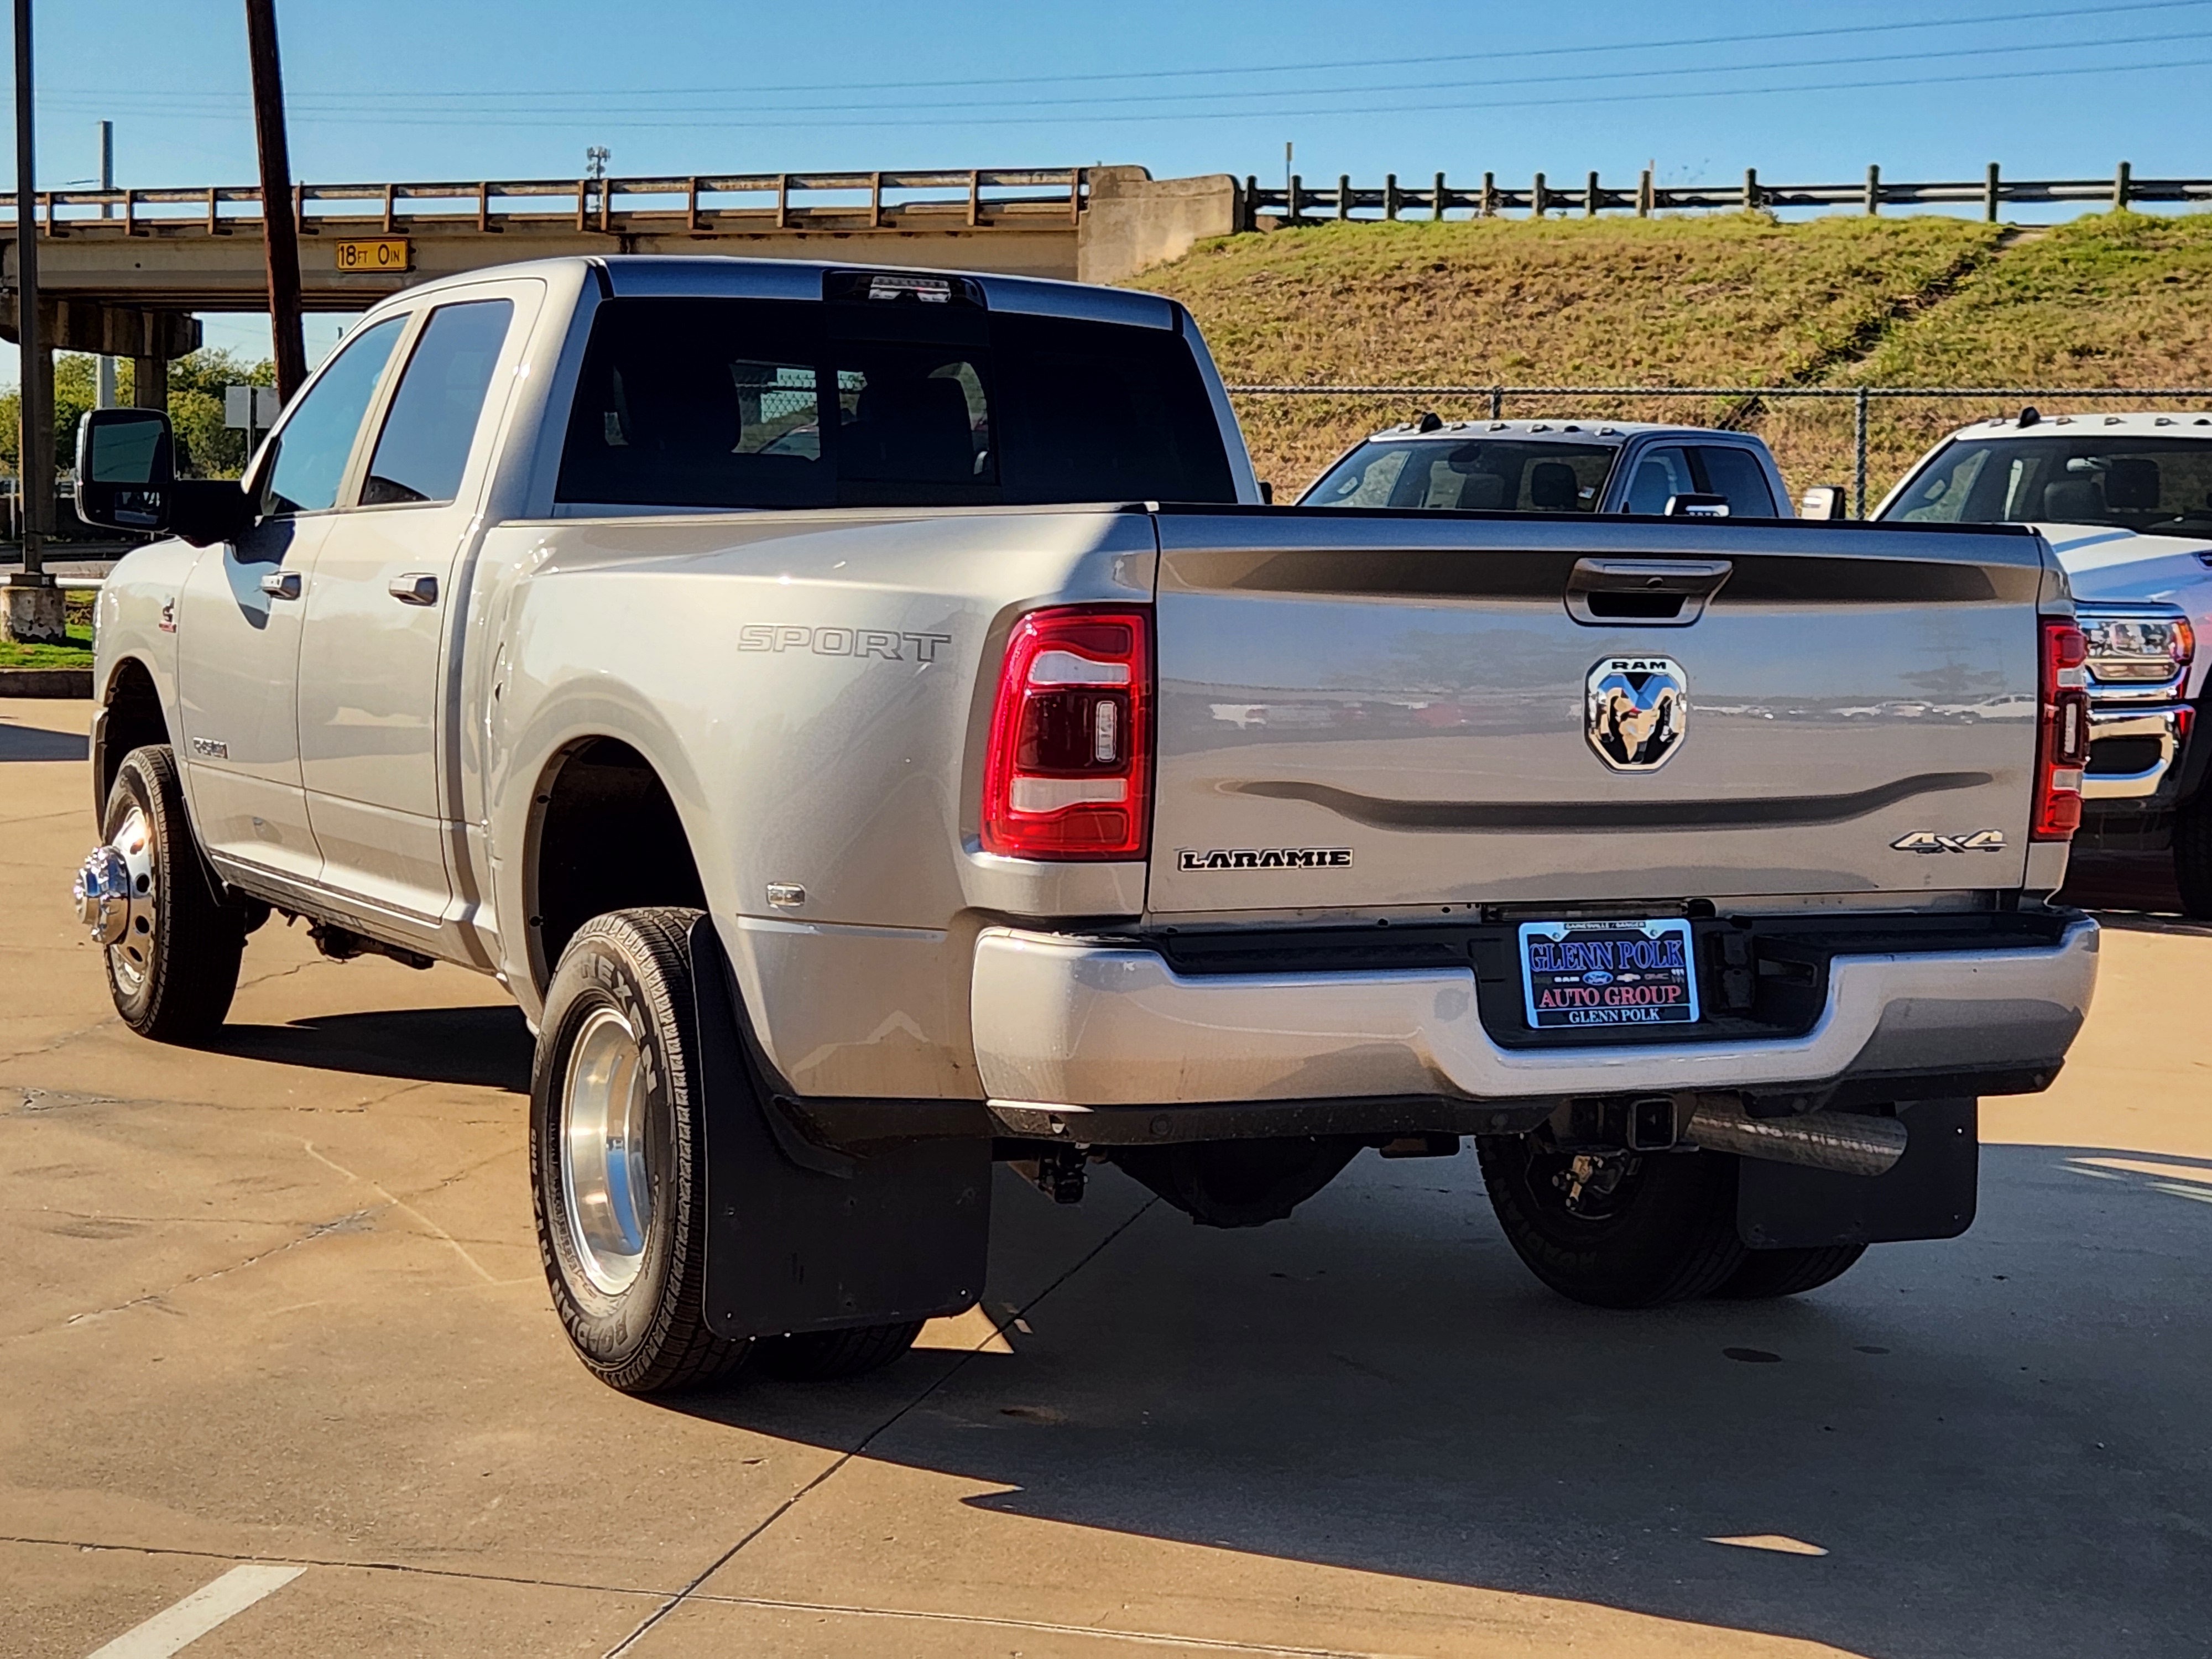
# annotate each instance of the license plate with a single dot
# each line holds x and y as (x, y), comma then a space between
(1575, 974)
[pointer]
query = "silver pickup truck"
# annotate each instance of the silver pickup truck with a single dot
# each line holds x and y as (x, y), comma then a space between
(869, 723)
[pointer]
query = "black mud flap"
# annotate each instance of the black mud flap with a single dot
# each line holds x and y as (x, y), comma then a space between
(1929, 1193)
(802, 1237)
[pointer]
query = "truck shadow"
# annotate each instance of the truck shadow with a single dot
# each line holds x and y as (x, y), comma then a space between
(487, 1047)
(1998, 1441)
(32, 743)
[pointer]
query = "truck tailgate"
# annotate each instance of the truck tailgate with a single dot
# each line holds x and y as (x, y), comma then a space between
(1363, 709)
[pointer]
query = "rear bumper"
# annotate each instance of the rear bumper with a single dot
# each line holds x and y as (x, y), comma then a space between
(1065, 1026)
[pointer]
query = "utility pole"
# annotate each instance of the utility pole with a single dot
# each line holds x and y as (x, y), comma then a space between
(104, 395)
(34, 603)
(280, 233)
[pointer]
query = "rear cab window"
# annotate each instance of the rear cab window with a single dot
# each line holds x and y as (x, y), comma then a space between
(920, 401)
(1728, 471)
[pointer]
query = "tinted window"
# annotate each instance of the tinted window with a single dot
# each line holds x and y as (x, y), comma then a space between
(1098, 412)
(760, 403)
(1479, 475)
(304, 473)
(1659, 473)
(2131, 484)
(913, 418)
(1736, 474)
(425, 442)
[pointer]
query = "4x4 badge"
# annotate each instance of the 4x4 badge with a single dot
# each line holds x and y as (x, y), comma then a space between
(1927, 840)
(1634, 711)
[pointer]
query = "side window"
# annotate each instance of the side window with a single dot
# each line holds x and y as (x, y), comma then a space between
(310, 452)
(424, 446)
(1736, 474)
(1659, 473)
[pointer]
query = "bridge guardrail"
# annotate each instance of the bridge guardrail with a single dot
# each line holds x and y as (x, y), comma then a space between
(1296, 203)
(980, 196)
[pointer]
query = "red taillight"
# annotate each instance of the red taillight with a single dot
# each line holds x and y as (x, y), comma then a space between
(2062, 746)
(1069, 771)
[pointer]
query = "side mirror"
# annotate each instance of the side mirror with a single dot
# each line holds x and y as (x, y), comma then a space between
(126, 470)
(1697, 506)
(1824, 501)
(126, 479)
(1267, 493)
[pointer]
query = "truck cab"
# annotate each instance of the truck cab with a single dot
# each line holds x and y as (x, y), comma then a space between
(1556, 466)
(2125, 501)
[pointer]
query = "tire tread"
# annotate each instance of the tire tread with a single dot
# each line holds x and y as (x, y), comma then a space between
(681, 1352)
(2192, 856)
(201, 943)
(1769, 1273)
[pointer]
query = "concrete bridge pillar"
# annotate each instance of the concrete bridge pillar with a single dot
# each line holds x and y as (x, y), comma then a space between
(149, 337)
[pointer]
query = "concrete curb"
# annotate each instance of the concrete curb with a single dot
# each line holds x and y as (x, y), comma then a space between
(45, 683)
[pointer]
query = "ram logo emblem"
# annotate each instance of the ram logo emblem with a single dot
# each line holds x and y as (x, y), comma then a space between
(1636, 710)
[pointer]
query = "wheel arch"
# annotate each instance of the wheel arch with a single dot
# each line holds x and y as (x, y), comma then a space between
(605, 833)
(131, 715)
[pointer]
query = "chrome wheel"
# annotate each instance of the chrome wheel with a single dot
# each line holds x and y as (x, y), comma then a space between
(606, 1173)
(137, 930)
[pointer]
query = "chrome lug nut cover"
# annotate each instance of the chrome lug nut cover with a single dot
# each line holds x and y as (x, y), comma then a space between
(103, 895)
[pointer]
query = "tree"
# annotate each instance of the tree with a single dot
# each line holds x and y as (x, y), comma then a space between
(206, 448)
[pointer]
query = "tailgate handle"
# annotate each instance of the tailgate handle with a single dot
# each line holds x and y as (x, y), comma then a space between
(1643, 592)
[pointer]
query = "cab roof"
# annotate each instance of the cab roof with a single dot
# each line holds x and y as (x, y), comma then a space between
(1553, 431)
(2137, 423)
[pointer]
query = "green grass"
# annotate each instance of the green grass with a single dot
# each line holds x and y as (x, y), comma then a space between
(2106, 299)
(77, 653)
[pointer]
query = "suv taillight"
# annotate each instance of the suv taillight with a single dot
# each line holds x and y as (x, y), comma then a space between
(1069, 771)
(2063, 745)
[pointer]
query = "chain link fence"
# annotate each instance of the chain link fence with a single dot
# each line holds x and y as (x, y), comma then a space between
(1740, 408)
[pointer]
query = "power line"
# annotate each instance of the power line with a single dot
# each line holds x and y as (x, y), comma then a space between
(386, 100)
(1309, 109)
(1798, 90)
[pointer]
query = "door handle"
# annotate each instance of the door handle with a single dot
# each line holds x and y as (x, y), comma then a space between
(1649, 593)
(282, 584)
(415, 589)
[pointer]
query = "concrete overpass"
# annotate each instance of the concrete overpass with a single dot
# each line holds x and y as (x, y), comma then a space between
(121, 271)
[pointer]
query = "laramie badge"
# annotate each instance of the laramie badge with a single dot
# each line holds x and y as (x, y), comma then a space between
(1635, 711)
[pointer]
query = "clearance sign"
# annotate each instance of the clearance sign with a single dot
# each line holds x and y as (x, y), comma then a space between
(388, 254)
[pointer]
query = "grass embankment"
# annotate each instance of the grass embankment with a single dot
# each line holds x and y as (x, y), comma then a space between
(77, 653)
(2104, 301)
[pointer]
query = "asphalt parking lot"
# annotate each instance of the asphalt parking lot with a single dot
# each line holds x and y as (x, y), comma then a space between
(278, 1303)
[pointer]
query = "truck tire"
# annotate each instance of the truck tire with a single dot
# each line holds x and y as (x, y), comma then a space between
(174, 970)
(1666, 1233)
(617, 1170)
(2192, 856)
(1768, 1273)
(818, 1356)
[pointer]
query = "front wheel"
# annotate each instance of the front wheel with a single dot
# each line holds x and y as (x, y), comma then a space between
(2192, 856)
(1618, 1231)
(617, 1168)
(173, 951)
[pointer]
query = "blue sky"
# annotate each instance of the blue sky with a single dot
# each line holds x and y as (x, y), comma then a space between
(408, 89)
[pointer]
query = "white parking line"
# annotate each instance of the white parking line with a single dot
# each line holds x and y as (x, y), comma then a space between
(186, 1621)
